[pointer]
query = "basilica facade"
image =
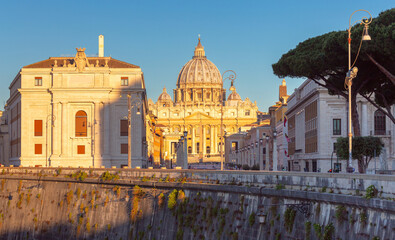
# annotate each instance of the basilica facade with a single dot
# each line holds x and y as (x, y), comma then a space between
(200, 107)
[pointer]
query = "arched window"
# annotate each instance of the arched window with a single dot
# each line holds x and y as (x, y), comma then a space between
(379, 123)
(189, 149)
(81, 124)
(208, 149)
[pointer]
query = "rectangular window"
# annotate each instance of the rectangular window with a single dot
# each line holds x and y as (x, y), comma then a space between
(124, 148)
(38, 149)
(314, 165)
(337, 130)
(38, 128)
(247, 113)
(38, 81)
(235, 146)
(124, 81)
(81, 149)
(124, 127)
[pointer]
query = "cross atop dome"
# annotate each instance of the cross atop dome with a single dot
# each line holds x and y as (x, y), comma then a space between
(199, 50)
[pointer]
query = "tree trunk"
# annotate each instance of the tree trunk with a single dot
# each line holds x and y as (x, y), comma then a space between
(361, 165)
(383, 69)
(355, 118)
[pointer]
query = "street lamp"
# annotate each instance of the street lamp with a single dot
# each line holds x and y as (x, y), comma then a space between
(135, 103)
(352, 73)
(232, 77)
(267, 152)
(275, 160)
(259, 153)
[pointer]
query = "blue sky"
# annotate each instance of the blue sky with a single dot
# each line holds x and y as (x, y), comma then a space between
(160, 36)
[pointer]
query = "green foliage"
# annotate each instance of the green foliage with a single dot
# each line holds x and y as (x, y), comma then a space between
(318, 230)
(280, 186)
(329, 231)
(307, 230)
(363, 217)
(323, 189)
(251, 219)
(341, 213)
(324, 58)
(363, 149)
(161, 200)
(375, 238)
(246, 167)
(278, 236)
(172, 201)
(79, 175)
(107, 176)
(289, 218)
(255, 167)
(371, 192)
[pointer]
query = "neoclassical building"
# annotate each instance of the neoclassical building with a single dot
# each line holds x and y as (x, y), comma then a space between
(73, 111)
(196, 108)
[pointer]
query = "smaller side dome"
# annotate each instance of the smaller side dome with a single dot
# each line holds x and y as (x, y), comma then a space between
(164, 95)
(234, 96)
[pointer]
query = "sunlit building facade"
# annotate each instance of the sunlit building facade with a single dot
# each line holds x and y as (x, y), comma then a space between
(196, 108)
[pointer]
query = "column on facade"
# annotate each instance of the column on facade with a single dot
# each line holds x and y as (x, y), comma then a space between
(57, 114)
(203, 139)
(211, 139)
(216, 140)
(97, 131)
(364, 120)
(64, 127)
(193, 143)
(106, 136)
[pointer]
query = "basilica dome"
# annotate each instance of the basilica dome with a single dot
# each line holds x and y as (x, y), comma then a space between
(164, 95)
(199, 70)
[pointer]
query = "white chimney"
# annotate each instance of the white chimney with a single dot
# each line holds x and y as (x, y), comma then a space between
(101, 46)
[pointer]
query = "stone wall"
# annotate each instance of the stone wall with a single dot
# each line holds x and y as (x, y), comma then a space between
(65, 204)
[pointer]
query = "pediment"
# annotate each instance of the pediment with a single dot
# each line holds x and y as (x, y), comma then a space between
(199, 116)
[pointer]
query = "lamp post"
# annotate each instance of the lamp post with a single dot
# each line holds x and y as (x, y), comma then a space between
(232, 77)
(135, 103)
(267, 153)
(185, 158)
(352, 73)
(259, 153)
(275, 160)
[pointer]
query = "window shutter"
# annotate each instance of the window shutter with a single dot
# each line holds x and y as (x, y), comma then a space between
(38, 149)
(38, 128)
(124, 128)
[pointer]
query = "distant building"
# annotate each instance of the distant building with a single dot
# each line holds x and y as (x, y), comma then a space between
(73, 111)
(315, 121)
(196, 108)
(248, 147)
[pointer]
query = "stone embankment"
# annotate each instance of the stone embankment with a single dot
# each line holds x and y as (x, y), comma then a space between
(50, 203)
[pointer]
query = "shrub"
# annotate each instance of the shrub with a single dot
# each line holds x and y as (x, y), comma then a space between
(341, 213)
(79, 175)
(161, 200)
(117, 190)
(107, 176)
(246, 167)
(371, 192)
(251, 219)
(172, 201)
(329, 230)
(363, 217)
(307, 230)
(280, 186)
(289, 218)
(255, 167)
